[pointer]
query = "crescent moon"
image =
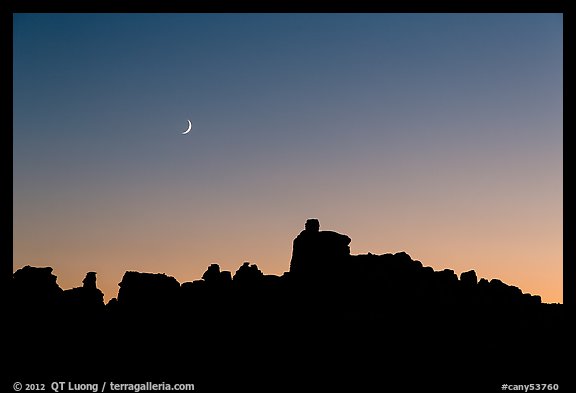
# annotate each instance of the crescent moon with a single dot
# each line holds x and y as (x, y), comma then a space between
(189, 128)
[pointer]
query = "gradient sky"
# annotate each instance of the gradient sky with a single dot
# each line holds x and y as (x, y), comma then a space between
(435, 134)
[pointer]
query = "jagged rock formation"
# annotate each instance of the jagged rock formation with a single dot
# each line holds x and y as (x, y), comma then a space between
(147, 290)
(320, 263)
(348, 313)
(316, 252)
(397, 279)
(469, 278)
(89, 281)
(214, 276)
(86, 299)
(35, 287)
(248, 274)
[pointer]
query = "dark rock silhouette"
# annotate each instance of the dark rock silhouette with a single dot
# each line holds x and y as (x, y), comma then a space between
(358, 316)
(316, 252)
(214, 276)
(112, 305)
(86, 299)
(469, 278)
(248, 274)
(89, 281)
(147, 291)
(35, 287)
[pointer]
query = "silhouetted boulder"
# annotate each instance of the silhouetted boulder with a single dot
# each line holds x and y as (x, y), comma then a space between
(428, 269)
(36, 287)
(87, 299)
(194, 285)
(503, 293)
(469, 278)
(143, 290)
(316, 252)
(90, 280)
(248, 274)
(213, 275)
(446, 277)
(531, 299)
(417, 264)
(403, 257)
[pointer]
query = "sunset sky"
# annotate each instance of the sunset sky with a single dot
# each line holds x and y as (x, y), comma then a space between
(435, 134)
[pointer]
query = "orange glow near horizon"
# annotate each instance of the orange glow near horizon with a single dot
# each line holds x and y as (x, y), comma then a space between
(186, 255)
(440, 135)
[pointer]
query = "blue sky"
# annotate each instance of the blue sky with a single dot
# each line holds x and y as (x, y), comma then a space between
(436, 134)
